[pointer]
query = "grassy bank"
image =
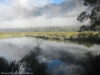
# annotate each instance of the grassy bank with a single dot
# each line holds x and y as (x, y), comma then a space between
(60, 36)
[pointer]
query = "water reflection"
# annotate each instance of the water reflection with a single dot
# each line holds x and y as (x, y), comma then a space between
(18, 47)
(60, 57)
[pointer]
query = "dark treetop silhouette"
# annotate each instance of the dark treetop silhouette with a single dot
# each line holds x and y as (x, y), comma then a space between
(94, 15)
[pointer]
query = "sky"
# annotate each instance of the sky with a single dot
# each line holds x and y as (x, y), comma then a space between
(39, 13)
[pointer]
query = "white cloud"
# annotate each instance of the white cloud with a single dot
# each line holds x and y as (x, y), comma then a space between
(38, 13)
(39, 22)
(30, 3)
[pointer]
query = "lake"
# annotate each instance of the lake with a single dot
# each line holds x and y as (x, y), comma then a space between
(52, 52)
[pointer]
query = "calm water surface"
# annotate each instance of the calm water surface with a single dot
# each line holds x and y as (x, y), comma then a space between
(59, 56)
(16, 48)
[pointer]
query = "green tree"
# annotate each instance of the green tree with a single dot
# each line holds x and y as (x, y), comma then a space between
(94, 14)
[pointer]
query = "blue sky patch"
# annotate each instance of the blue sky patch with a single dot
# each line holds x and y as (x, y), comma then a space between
(4, 1)
(57, 1)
